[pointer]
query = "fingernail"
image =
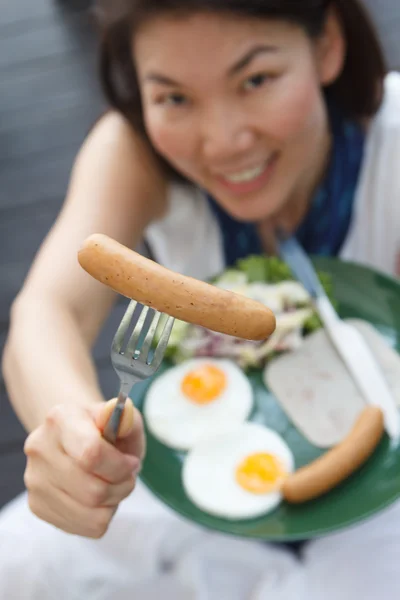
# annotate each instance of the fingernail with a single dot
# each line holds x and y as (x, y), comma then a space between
(132, 461)
(137, 468)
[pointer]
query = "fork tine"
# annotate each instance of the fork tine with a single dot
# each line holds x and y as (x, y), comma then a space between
(162, 344)
(148, 340)
(137, 331)
(123, 327)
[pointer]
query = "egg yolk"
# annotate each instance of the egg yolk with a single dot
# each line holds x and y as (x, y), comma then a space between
(260, 473)
(204, 384)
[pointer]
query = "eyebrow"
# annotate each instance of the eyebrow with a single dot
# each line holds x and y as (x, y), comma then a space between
(244, 62)
(241, 64)
(154, 77)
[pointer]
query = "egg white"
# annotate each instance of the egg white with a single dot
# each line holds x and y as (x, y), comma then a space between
(208, 474)
(180, 423)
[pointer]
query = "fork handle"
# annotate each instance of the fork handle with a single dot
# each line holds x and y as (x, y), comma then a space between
(110, 432)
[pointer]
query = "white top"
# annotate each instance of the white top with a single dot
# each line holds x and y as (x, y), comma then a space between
(188, 238)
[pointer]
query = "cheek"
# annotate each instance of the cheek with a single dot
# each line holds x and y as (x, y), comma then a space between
(170, 140)
(299, 112)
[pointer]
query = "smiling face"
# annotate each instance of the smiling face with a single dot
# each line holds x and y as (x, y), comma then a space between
(236, 106)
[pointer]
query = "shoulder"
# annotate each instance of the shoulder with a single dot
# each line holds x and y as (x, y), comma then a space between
(383, 141)
(117, 157)
(374, 236)
(112, 136)
(388, 116)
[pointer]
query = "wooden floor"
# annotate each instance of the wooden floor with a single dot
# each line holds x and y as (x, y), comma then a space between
(49, 98)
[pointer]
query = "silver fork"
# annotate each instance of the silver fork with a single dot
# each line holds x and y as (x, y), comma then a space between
(130, 355)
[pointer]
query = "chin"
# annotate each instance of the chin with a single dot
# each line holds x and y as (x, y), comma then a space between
(248, 209)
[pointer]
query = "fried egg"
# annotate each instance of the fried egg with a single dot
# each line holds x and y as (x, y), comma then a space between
(238, 474)
(195, 399)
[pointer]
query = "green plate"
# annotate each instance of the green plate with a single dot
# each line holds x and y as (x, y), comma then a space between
(361, 293)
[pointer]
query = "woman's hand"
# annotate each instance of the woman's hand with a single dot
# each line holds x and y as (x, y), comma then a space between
(75, 479)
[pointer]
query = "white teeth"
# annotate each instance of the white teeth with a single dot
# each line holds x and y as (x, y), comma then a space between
(245, 176)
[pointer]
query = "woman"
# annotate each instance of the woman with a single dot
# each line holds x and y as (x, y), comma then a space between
(229, 118)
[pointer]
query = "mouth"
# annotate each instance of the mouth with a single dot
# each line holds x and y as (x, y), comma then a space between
(248, 180)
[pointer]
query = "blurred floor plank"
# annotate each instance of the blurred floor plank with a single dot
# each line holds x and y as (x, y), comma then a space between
(49, 99)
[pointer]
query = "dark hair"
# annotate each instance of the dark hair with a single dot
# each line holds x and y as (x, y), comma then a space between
(358, 90)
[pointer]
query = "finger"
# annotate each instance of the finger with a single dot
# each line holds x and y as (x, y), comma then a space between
(135, 442)
(82, 441)
(85, 488)
(57, 508)
(128, 417)
(131, 438)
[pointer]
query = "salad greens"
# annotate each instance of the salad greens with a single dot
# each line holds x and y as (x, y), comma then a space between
(273, 270)
(270, 281)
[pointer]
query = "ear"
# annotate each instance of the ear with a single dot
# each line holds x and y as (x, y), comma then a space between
(330, 49)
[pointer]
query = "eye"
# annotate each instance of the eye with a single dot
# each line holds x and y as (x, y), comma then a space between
(255, 81)
(173, 99)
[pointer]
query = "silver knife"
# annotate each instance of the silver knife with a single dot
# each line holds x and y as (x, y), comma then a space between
(347, 340)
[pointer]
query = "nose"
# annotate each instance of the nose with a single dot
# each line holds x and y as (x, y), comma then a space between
(226, 134)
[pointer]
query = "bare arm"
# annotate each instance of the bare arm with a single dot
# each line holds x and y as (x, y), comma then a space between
(116, 189)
